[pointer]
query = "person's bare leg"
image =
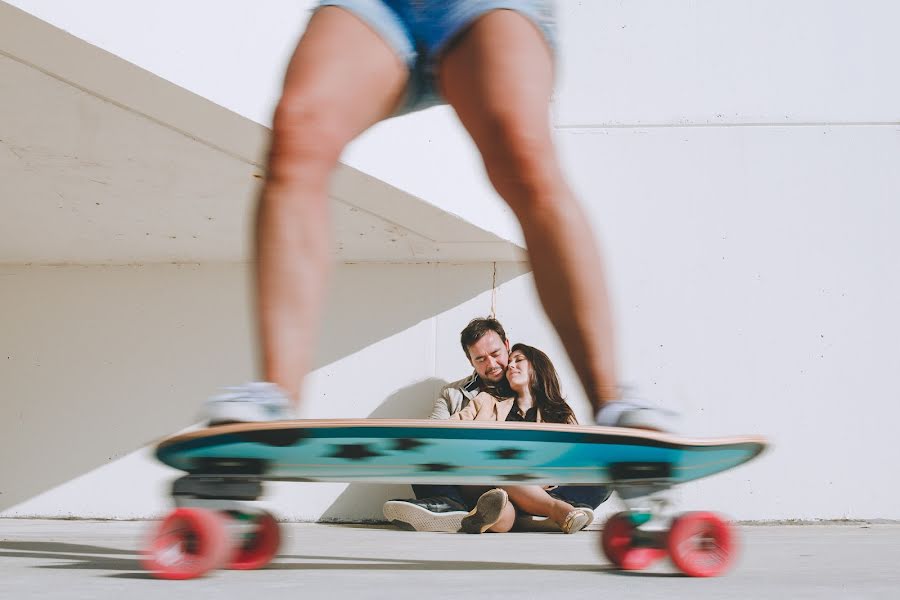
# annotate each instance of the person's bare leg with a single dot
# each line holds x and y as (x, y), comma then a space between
(342, 79)
(506, 521)
(498, 77)
(536, 501)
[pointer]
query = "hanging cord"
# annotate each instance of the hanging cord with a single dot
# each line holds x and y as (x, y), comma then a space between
(494, 293)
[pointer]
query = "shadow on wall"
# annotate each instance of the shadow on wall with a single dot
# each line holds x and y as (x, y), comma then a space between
(370, 302)
(412, 402)
(362, 501)
(100, 361)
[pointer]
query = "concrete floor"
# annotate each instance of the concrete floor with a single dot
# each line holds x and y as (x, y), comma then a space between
(91, 559)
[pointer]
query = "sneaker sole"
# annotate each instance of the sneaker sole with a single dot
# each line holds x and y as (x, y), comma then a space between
(410, 517)
(487, 512)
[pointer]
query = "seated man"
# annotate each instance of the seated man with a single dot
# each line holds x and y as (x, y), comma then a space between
(451, 508)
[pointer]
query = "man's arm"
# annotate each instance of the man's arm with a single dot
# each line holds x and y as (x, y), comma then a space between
(452, 399)
(443, 406)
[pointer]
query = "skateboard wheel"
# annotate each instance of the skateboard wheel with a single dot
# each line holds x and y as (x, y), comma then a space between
(618, 545)
(258, 547)
(187, 544)
(701, 544)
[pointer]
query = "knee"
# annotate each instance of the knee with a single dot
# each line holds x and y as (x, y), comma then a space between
(307, 135)
(520, 159)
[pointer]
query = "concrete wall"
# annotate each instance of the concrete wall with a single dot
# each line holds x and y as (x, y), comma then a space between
(738, 160)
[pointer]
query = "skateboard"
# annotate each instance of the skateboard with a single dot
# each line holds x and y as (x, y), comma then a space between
(216, 525)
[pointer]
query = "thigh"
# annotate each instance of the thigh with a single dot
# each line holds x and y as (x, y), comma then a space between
(498, 76)
(342, 67)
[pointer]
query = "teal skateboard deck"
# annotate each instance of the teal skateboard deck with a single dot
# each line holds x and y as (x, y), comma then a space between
(449, 452)
(217, 525)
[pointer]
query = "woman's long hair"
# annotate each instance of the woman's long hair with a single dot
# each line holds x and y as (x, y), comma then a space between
(545, 387)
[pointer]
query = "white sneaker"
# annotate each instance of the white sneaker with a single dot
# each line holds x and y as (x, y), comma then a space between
(636, 414)
(252, 402)
(426, 514)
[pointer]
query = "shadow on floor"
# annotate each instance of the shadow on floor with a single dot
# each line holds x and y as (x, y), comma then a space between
(79, 556)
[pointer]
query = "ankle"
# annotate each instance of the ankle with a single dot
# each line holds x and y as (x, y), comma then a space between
(559, 511)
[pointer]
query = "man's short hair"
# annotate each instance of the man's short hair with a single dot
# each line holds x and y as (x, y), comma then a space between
(476, 329)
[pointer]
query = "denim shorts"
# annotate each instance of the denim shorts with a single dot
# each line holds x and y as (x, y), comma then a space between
(419, 30)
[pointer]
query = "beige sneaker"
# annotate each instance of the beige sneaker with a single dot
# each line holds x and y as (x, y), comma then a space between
(538, 524)
(577, 520)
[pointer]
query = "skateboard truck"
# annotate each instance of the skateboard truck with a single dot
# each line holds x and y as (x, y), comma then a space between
(220, 483)
(644, 489)
(215, 487)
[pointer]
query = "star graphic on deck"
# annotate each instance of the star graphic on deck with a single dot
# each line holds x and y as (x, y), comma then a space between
(406, 444)
(507, 453)
(519, 477)
(353, 452)
(438, 467)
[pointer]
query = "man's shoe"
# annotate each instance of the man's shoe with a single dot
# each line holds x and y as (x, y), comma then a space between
(426, 514)
(487, 511)
(249, 403)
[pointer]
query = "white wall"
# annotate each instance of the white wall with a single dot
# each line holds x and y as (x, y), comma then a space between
(740, 162)
(755, 276)
(738, 159)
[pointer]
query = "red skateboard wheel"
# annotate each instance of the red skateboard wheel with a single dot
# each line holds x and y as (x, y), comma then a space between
(617, 542)
(187, 544)
(260, 546)
(701, 544)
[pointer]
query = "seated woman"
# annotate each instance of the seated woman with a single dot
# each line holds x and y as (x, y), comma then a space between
(534, 397)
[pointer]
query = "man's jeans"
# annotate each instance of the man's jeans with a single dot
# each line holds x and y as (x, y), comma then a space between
(588, 495)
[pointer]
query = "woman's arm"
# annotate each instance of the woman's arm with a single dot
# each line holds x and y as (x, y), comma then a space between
(466, 414)
(481, 408)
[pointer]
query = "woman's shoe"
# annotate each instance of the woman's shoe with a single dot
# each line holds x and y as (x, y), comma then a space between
(576, 520)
